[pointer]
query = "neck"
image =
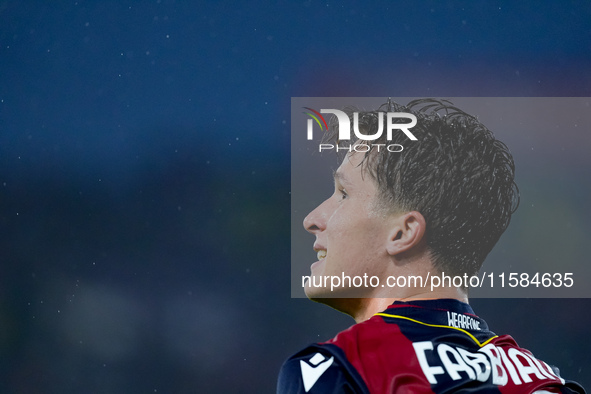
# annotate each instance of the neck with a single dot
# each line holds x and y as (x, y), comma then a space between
(365, 308)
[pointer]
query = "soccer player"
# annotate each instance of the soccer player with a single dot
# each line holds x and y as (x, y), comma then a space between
(436, 208)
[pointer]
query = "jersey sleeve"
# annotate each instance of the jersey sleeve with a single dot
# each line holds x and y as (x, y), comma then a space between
(319, 370)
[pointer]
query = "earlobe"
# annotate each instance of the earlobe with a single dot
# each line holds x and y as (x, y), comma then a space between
(407, 231)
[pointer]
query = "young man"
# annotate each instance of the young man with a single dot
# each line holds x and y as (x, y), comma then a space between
(436, 208)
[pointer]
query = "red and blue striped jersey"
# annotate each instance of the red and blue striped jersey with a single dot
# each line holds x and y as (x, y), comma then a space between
(427, 346)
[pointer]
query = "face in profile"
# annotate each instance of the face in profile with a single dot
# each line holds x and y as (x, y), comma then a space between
(351, 234)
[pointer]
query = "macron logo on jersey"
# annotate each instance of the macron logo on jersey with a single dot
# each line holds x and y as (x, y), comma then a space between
(313, 369)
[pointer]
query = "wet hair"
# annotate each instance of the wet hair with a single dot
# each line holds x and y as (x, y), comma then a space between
(457, 175)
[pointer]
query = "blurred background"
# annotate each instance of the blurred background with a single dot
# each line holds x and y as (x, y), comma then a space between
(145, 176)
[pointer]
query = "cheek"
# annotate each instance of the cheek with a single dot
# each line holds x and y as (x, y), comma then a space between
(354, 221)
(353, 240)
(343, 227)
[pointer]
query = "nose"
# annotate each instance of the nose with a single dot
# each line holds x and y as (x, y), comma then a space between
(316, 220)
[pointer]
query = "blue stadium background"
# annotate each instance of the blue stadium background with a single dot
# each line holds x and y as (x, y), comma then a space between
(145, 176)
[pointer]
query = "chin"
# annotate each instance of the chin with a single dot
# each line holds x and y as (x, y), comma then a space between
(316, 293)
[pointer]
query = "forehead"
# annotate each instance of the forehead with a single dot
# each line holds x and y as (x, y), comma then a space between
(352, 171)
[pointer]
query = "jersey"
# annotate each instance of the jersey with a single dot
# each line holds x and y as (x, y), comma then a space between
(428, 346)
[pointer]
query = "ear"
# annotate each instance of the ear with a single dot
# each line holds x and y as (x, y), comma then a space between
(407, 231)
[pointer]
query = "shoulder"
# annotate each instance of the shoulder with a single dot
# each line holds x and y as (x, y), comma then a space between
(359, 355)
(319, 368)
